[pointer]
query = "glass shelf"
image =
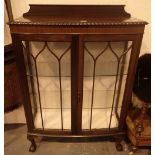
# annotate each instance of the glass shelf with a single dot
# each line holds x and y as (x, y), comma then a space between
(82, 76)
(83, 108)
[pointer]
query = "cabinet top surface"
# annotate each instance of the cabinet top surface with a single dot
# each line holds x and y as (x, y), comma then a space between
(78, 15)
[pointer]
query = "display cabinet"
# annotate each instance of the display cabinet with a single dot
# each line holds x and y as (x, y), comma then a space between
(77, 66)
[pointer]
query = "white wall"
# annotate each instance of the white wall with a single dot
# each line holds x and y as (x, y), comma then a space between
(7, 37)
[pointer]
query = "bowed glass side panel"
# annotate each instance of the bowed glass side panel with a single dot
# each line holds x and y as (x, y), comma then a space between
(48, 67)
(105, 73)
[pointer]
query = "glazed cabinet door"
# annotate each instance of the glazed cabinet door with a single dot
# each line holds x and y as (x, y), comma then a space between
(107, 80)
(76, 84)
(44, 63)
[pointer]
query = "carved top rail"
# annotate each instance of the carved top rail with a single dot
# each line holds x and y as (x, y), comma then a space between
(77, 15)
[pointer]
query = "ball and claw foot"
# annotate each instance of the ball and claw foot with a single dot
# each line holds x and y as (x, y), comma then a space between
(32, 146)
(119, 147)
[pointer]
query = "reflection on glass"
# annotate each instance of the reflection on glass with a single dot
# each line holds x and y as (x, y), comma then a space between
(105, 72)
(49, 76)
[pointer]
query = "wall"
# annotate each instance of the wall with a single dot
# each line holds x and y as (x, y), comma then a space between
(7, 37)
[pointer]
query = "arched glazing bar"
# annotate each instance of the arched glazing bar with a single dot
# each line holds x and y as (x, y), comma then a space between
(108, 46)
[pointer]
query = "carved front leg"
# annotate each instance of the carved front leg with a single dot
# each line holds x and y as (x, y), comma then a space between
(33, 144)
(118, 144)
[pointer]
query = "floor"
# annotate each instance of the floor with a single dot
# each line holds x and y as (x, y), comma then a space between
(16, 143)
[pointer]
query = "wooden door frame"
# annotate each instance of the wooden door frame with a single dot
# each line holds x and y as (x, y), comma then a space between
(17, 44)
(136, 39)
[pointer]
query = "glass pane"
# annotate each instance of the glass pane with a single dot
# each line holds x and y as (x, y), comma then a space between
(105, 73)
(48, 67)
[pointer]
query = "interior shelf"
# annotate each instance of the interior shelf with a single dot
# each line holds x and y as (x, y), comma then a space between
(70, 76)
(52, 119)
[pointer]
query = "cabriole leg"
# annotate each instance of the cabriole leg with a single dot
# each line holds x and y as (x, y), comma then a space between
(33, 144)
(118, 144)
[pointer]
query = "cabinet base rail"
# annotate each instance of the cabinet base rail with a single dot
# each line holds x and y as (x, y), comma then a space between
(114, 137)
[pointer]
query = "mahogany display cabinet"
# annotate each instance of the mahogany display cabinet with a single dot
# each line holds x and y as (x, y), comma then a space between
(76, 66)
